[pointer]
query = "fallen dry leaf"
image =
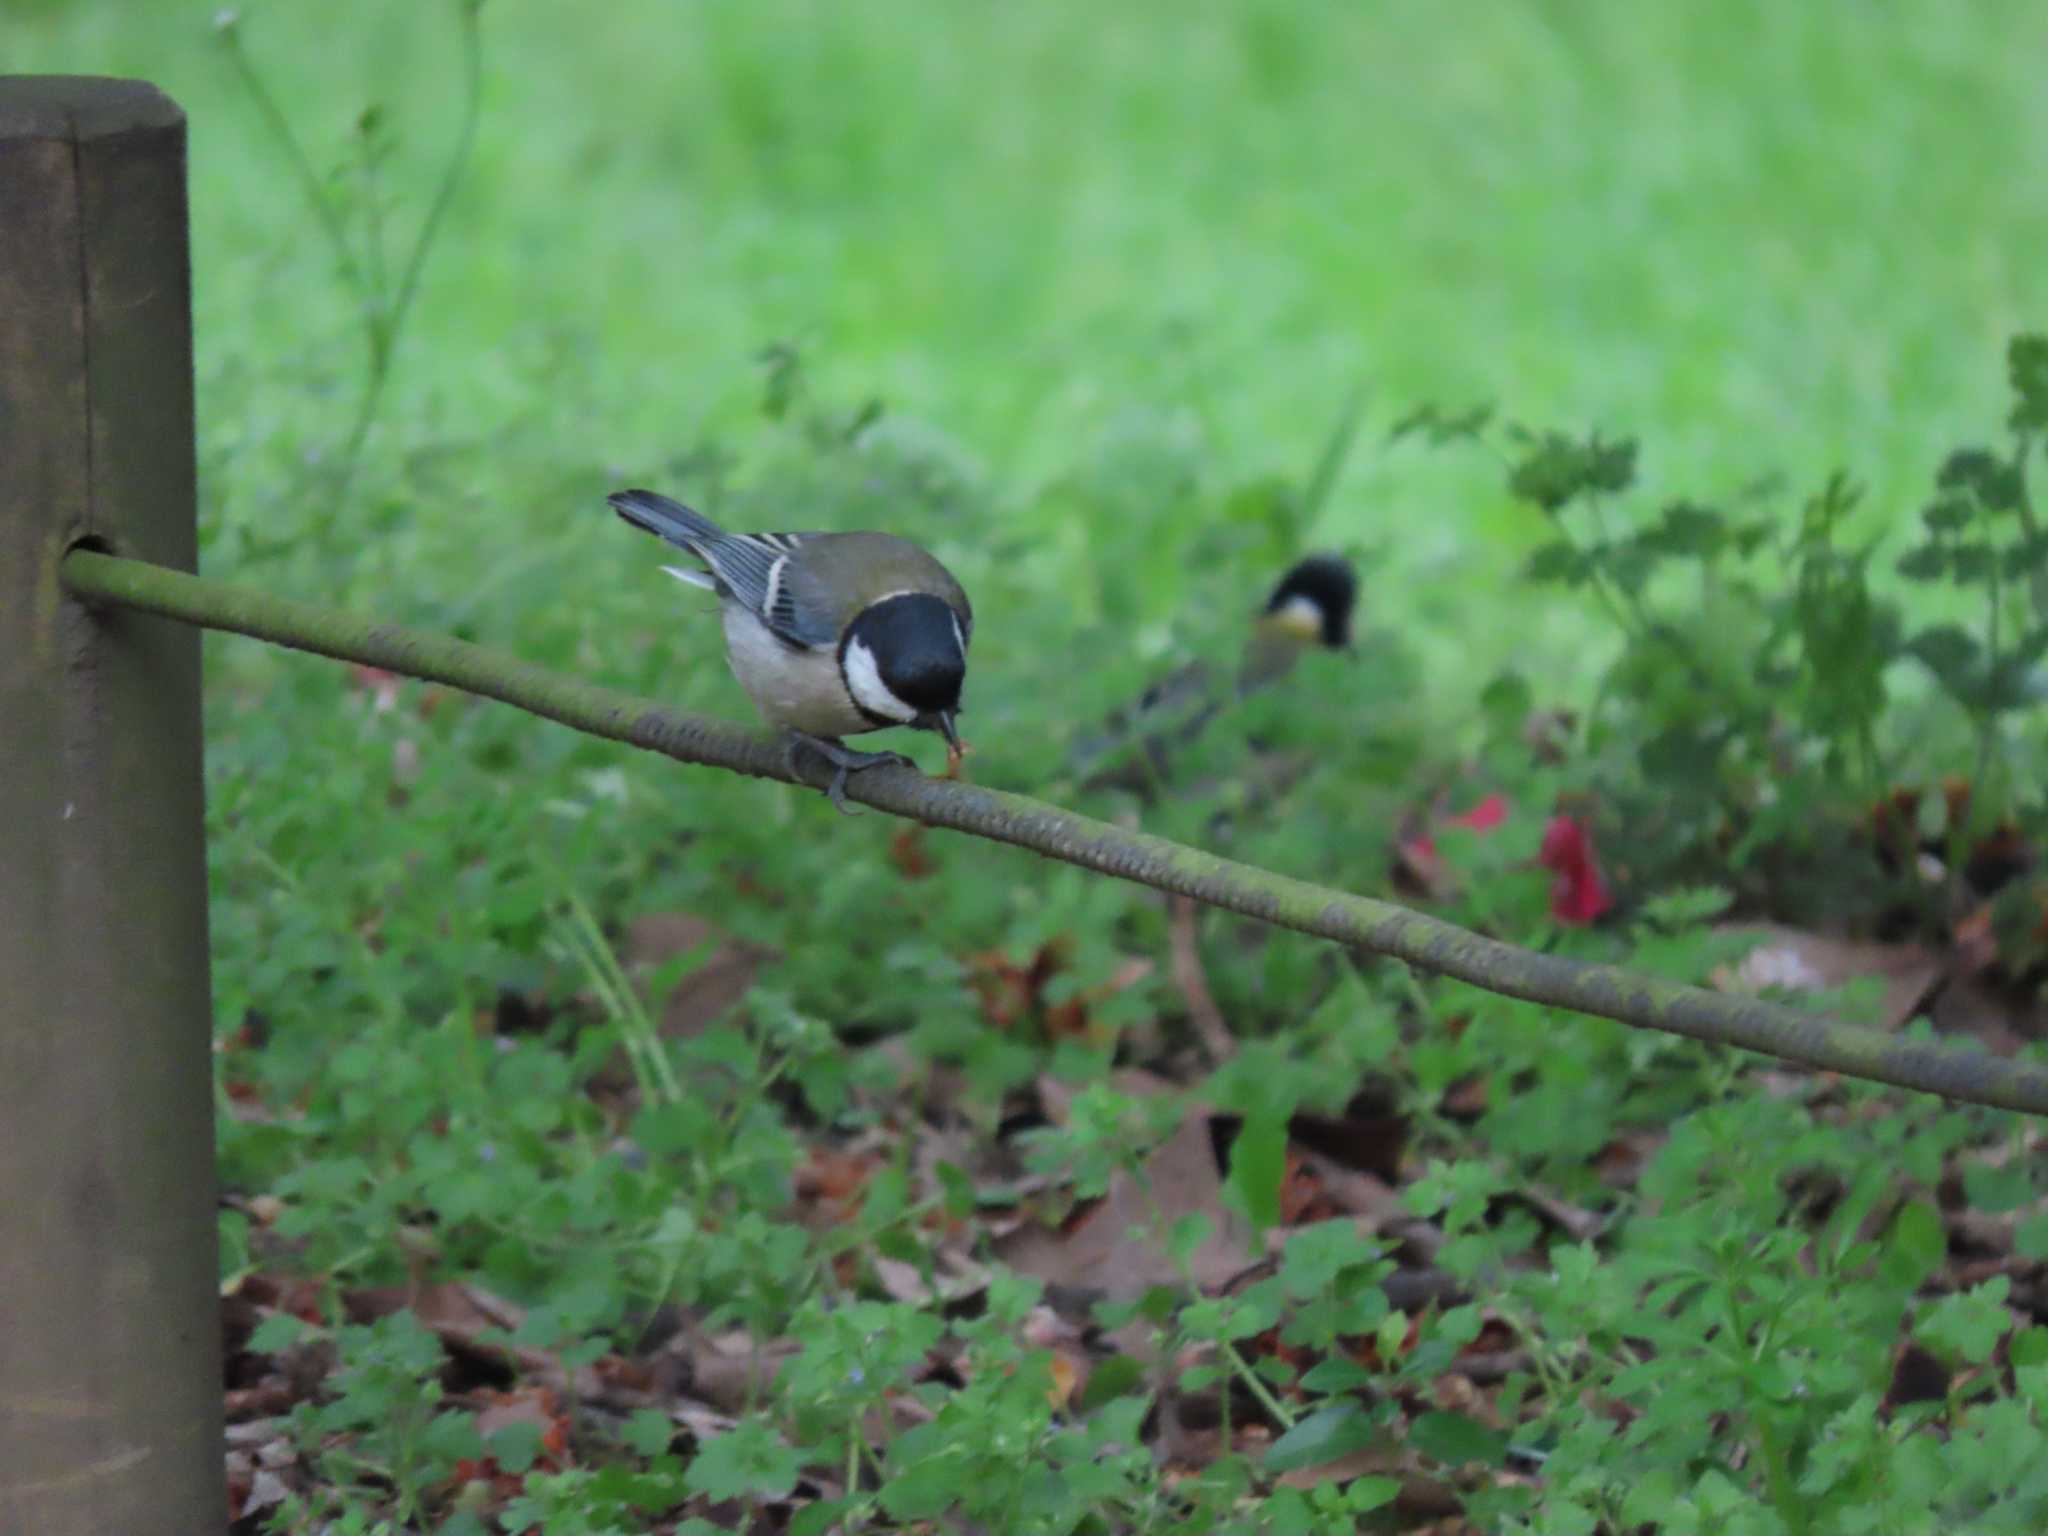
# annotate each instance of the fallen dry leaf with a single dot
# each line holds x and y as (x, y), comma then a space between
(1012, 993)
(729, 1372)
(1381, 1460)
(1971, 1007)
(1068, 1372)
(538, 1406)
(1801, 961)
(460, 1314)
(955, 1274)
(1115, 1248)
(1301, 1193)
(719, 980)
(830, 1183)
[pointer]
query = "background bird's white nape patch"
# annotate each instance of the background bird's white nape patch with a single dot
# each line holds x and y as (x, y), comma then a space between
(864, 682)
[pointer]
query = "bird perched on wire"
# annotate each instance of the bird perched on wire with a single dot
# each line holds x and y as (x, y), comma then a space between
(1310, 607)
(831, 634)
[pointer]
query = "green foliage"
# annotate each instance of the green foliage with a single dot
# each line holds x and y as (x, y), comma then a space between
(702, 258)
(1717, 1313)
(385, 1401)
(1756, 676)
(1981, 534)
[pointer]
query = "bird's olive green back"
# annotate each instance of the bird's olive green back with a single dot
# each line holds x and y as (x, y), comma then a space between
(839, 574)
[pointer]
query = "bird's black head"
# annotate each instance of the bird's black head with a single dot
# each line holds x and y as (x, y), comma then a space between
(904, 660)
(1325, 584)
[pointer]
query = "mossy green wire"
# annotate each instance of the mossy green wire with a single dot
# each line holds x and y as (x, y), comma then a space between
(1606, 991)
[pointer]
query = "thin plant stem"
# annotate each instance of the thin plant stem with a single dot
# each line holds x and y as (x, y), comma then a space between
(633, 1014)
(1281, 1413)
(387, 321)
(373, 238)
(1778, 1480)
(280, 127)
(383, 311)
(2037, 582)
(1239, 1366)
(1329, 466)
(853, 1440)
(619, 1002)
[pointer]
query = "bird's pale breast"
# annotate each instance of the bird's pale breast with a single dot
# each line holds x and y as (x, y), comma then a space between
(799, 690)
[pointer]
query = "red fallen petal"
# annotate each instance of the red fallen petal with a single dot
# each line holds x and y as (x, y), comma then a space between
(1485, 816)
(1580, 897)
(1565, 845)
(1580, 894)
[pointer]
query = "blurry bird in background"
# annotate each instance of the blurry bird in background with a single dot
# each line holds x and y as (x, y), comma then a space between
(1310, 608)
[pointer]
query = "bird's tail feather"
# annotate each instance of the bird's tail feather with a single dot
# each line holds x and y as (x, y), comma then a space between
(668, 519)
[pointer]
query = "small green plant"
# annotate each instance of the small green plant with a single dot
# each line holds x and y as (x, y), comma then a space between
(1730, 1317)
(1751, 716)
(352, 210)
(381, 1424)
(1982, 536)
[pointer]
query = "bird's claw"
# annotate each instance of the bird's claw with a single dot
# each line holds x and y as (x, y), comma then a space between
(845, 762)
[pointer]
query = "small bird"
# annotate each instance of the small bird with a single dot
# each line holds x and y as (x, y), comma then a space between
(1310, 607)
(831, 634)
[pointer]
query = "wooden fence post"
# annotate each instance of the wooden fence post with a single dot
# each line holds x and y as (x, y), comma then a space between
(110, 1386)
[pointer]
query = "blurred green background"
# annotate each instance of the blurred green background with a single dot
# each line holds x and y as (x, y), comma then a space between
(1074, 292)
(1108, 276)
(1765, 237)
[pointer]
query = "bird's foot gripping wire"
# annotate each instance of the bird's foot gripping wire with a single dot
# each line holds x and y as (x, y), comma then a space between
(844, 761)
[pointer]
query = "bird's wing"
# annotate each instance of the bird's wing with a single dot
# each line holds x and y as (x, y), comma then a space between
(755, 570)
(747, 568)
(791, 601)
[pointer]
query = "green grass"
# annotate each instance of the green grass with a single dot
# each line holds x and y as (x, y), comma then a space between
(1761, 236)
(1113, 272)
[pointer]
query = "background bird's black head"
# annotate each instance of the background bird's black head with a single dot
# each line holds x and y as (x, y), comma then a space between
(1328, 582)
(917, 645)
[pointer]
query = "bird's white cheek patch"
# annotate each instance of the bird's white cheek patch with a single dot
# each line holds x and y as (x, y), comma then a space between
(864, 682)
